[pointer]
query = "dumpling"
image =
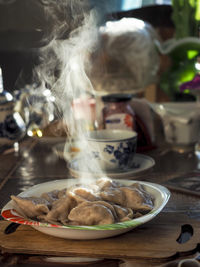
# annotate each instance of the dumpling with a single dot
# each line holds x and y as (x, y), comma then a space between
(136, 199)
(81, 194)
(146, 195)
(51, 196)
(114, 195)
(109, 206)
(31, 207)
(130, 197)
(91, 213)
(62, 193)
(105, 183)
(59, 211)
(123, 214)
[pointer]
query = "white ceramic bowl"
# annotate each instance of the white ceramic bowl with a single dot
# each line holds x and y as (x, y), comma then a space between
(160, 194)
(113, 149)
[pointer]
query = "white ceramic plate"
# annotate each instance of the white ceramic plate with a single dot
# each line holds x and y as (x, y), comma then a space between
(160, 194)
(141, 164)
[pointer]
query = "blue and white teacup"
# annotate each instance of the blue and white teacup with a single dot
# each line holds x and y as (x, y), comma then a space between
(112, 149)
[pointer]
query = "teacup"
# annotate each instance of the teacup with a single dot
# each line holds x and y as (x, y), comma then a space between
(112, 149)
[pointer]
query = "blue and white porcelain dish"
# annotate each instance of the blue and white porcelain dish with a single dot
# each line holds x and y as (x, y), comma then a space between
(112, 149)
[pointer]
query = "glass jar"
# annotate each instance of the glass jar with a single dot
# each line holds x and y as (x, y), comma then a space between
(117, 112)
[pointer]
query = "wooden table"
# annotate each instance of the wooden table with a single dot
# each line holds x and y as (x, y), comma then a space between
(153, 244)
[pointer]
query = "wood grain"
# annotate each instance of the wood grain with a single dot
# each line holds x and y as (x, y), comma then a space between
(155, 240)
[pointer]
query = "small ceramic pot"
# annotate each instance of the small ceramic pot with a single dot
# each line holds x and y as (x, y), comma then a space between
(181, 122)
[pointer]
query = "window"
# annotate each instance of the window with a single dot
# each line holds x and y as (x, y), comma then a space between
(130, 4)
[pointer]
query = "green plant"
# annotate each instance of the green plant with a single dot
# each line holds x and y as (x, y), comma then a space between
(186, 17)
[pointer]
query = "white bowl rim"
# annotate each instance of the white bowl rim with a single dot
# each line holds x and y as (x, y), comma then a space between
(125, 135)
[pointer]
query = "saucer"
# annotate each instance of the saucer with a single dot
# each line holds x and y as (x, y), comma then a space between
(141, 164)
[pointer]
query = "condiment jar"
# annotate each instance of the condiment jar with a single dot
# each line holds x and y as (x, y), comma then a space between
(117, 112)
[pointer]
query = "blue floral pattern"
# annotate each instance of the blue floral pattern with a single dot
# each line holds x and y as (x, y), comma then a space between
(121, 154)
(109, 149)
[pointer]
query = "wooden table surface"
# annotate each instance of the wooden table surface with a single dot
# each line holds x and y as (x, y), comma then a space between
(37, 163)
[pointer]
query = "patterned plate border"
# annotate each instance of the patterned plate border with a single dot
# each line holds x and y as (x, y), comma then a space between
(12, 215)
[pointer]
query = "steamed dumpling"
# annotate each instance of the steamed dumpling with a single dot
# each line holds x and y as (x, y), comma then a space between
(91, 213)
(59, 210)
(123, 214)
(114, 195)
(104, 183)
(51, 196)
(130, 197)
(136, 199)
(31, 207)
(83, 194)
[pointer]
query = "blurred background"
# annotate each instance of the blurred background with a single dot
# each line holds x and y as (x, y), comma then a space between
(146, 48)
(24, 28)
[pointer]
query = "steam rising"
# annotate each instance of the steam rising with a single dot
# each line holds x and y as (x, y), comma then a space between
(65, 62)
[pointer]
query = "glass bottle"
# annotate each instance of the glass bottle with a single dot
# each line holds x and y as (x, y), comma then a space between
(117, 112)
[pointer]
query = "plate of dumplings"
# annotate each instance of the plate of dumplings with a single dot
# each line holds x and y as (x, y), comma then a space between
(92, 209)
